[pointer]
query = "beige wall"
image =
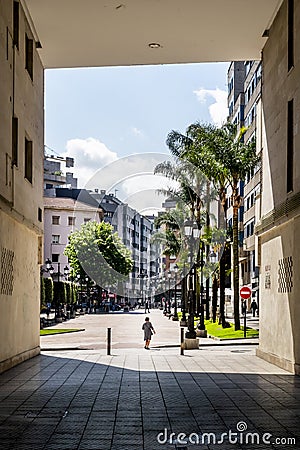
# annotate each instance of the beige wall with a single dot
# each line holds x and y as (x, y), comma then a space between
(279, 311)
(19, 311)
(20, 200)
(279, 229)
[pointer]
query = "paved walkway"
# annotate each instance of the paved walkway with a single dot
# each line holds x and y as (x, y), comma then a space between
(135, 399)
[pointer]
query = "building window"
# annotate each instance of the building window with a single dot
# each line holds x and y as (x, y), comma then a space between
(29, 56)
(290, 147)
(250, 229)
(290, 34)
(55, 220)
(71, 220)
(55, 238)
(55, 257)
(16, 15)
(253, 261)
(40, 215)
(15, 133)
(28, 160)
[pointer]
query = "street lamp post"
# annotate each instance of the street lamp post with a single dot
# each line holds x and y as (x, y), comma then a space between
(164, 293)
(192, 232)
(78, 278)
(50, 269)
(175, 317)
(201, 325)
(169, 293)
(183, 297)
(87, 288)
(142, 275)
(191, 333)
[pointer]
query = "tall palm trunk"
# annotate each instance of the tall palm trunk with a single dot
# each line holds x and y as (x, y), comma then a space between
(207, 248)
(222, 275)
(214, 298)
(222, 267)
(235, 248)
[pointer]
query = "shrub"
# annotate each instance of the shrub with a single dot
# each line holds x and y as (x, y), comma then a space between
(48, 285)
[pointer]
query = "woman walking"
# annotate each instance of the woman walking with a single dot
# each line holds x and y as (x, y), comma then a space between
(148, 331)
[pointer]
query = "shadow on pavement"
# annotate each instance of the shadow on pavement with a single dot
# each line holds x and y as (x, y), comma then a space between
(135, 402)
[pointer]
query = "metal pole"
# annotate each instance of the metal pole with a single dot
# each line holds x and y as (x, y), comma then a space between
(245, 321)
(191, 333)
(202, 324)
(183, 296)
(182, 341)
(108, 341)
(169, 304)
(175, 305)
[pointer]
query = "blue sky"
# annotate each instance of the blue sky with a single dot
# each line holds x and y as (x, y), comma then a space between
(98, 115)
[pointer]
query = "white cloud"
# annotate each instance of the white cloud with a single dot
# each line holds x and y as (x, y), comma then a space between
(137, 132)
(132, 178)
(89, 155)
(218, 110)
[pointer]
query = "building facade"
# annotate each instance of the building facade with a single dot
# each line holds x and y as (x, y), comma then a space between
(244, 101)
(27, 39)
(21, 182)
(279, 226)
(62, 216)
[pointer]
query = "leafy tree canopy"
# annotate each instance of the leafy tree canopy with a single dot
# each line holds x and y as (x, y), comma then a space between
(99, 252)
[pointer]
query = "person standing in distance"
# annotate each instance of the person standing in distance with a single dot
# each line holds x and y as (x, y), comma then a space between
(148, 331)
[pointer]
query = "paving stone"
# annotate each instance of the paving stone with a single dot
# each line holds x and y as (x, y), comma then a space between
(85, 400)
(97, 444)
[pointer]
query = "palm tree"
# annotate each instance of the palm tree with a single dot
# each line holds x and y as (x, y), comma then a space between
(225, 159)
(170, 238)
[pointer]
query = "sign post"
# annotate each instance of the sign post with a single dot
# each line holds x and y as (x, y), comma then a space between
(245, 293)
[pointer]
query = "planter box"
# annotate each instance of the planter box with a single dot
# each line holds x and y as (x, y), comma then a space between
(191, 344)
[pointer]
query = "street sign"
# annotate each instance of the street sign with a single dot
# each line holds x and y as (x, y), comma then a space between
(245, 292)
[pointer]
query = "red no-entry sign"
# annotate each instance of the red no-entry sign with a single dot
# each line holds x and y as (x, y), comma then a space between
(245, 292)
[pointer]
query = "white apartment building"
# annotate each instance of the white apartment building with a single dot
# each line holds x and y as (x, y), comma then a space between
(62, 216)
(244, 100)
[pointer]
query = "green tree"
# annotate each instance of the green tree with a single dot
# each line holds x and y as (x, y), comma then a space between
(74, 293)
(96, 250)
(68, 287)
(48, 283)
(222, 155)
(42, 293)
(169, 225)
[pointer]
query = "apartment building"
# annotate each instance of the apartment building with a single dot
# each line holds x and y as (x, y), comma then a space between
(135, 231)
(53, 174)
(252, 186)
(133, 228)
(244, 101)
(62, 216)
(279, 225)
(21, 185)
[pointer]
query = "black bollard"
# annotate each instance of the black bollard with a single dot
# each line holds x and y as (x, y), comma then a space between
(182, 341)
(108, 340)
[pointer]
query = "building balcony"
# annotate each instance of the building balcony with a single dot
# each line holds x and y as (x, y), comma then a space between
(249, 214)
(249, 243)
(255, 180)
(51, 177)
(242, 253)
